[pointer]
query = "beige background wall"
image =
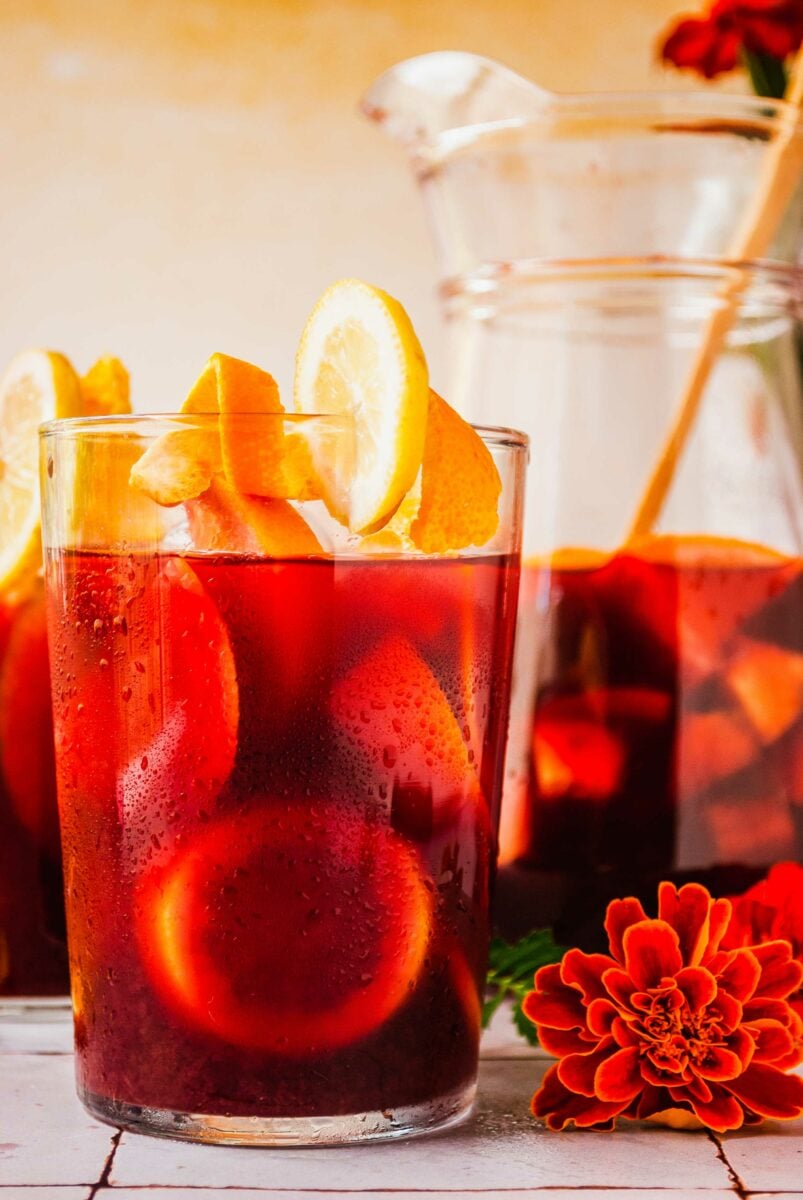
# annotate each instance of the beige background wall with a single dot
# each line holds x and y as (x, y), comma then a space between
(180, 176)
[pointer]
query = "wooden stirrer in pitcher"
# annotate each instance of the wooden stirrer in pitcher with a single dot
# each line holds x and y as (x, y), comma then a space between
(775, 186)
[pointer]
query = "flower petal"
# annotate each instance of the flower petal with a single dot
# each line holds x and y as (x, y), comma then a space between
(577, 1071)
(585, 971)
(559, 1107)
(620, 987)
(729, 1011)
(740, 975)
(719, 1064)
(769, 1092)
(552, 1002)
(741, 1042)
(619, 1077)
(652, 953)
(698, 1088)
(698, 986)
(563, 1041)
(620, 916)
(600, 1017)
(688, 912)
(773, 1041)
(720, 1113)
(699, 44)
(780, 973)
(624, 1033)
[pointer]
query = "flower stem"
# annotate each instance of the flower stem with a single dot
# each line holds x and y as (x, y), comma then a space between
(767, 74)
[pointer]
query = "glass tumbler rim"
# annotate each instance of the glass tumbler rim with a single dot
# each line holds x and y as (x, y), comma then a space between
(498, 436)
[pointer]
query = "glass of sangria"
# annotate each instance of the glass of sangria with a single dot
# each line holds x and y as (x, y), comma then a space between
(34, 979)
(280, 739)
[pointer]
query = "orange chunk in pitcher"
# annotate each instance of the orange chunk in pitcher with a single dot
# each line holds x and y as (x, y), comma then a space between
(768, 681)
(712, 746)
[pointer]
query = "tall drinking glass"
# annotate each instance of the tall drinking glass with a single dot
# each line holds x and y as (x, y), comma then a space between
(279, 756)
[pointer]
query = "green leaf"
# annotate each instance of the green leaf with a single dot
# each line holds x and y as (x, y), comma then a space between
(511, 968)
(524, 1025)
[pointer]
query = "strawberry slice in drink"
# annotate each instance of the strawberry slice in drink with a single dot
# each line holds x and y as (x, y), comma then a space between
(288, 929)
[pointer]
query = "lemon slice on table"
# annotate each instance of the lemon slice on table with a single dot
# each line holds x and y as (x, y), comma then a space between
(359, 356)
(38, 386)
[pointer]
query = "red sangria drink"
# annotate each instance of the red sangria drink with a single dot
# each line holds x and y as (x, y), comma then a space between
(33, 953)
(665, 732)
(280, 745)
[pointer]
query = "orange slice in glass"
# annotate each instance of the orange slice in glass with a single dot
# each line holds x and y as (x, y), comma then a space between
(38, 386)
(460, 485)
(359, 357)
(391, 708)
(106, 389)
(219, 927)
(224, 519)
(258, 456)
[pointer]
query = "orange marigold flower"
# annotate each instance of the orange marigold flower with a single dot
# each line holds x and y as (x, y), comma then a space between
(772, 909)
(669, 1019)
(713, 43)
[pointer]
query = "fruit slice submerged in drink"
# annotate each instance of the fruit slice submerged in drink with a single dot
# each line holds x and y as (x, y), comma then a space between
(391, 709)
(26, 728)
(291, 928)
(160, 692)
(690, 595)
(581, 744)
(183, 735)
(768, 682)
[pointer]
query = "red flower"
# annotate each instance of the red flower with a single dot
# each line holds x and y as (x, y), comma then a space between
(714, 43)
(772, 909)
(669, 1020)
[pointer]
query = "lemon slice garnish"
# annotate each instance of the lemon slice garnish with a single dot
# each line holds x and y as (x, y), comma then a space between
(359, 356)
(38, 386)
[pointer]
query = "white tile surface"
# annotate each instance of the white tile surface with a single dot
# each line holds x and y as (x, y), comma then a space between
(63, 1193)
(503, 1148)
(529, 1194)
(769, 1159)
(52, 1035)
(45, 1135)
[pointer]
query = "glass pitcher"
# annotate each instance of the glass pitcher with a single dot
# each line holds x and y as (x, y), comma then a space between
(614, 285)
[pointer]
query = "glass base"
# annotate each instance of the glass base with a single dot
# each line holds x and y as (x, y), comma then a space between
(410, 1121)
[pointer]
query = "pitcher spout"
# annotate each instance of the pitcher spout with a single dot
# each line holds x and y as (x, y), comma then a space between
(418, 100)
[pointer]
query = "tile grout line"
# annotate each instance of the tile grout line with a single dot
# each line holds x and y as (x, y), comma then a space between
(103, 1181)
(738, 1186)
